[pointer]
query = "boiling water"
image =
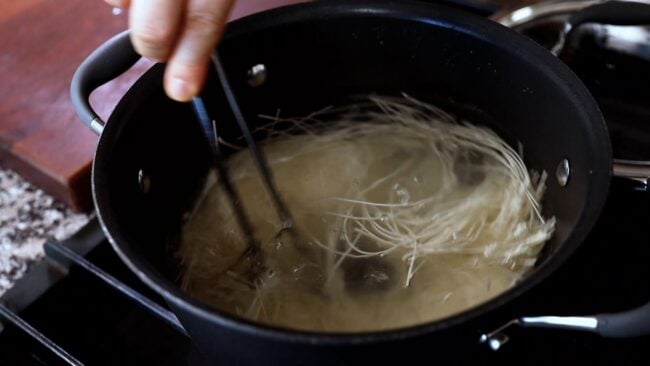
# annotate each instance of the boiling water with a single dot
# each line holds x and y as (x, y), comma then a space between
(404, 218)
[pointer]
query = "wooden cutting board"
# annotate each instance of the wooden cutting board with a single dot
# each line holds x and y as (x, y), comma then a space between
(42, 43)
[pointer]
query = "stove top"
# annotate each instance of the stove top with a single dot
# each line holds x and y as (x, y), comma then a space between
(78, 317)
(81, 305)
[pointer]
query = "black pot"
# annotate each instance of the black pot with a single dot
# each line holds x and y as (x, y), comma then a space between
(150, 159)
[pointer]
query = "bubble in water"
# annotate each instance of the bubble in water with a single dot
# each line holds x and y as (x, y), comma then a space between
(297, 268)
(402, 193)
(377, 276)
(383, 218)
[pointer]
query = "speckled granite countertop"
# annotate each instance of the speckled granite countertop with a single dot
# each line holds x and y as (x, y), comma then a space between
(28, 217)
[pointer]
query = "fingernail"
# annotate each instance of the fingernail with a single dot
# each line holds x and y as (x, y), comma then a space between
(180, 90)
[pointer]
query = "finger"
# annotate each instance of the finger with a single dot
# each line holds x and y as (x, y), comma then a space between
(122, 4)
(203, 24)
(155, 26)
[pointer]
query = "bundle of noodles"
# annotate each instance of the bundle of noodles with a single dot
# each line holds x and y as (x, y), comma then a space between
(405, 215)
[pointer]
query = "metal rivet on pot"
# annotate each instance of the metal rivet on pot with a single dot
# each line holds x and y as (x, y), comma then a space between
(257, 75)
(144, 181)
(497, 341)
(494, 340)
(563, 172)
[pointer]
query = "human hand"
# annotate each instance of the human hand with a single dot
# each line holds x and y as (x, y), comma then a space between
(182, 33)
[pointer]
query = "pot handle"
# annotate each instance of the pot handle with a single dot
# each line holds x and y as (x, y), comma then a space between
(636, 170)
(611, 12)
(104, 64)
(632, 323)
(626, 324)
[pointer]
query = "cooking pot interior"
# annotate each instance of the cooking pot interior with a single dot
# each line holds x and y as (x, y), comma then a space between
(152, 158)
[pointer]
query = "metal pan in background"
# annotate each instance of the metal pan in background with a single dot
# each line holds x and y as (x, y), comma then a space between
(559, 21)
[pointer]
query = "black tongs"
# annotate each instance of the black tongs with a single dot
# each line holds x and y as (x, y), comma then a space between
(210, 132)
